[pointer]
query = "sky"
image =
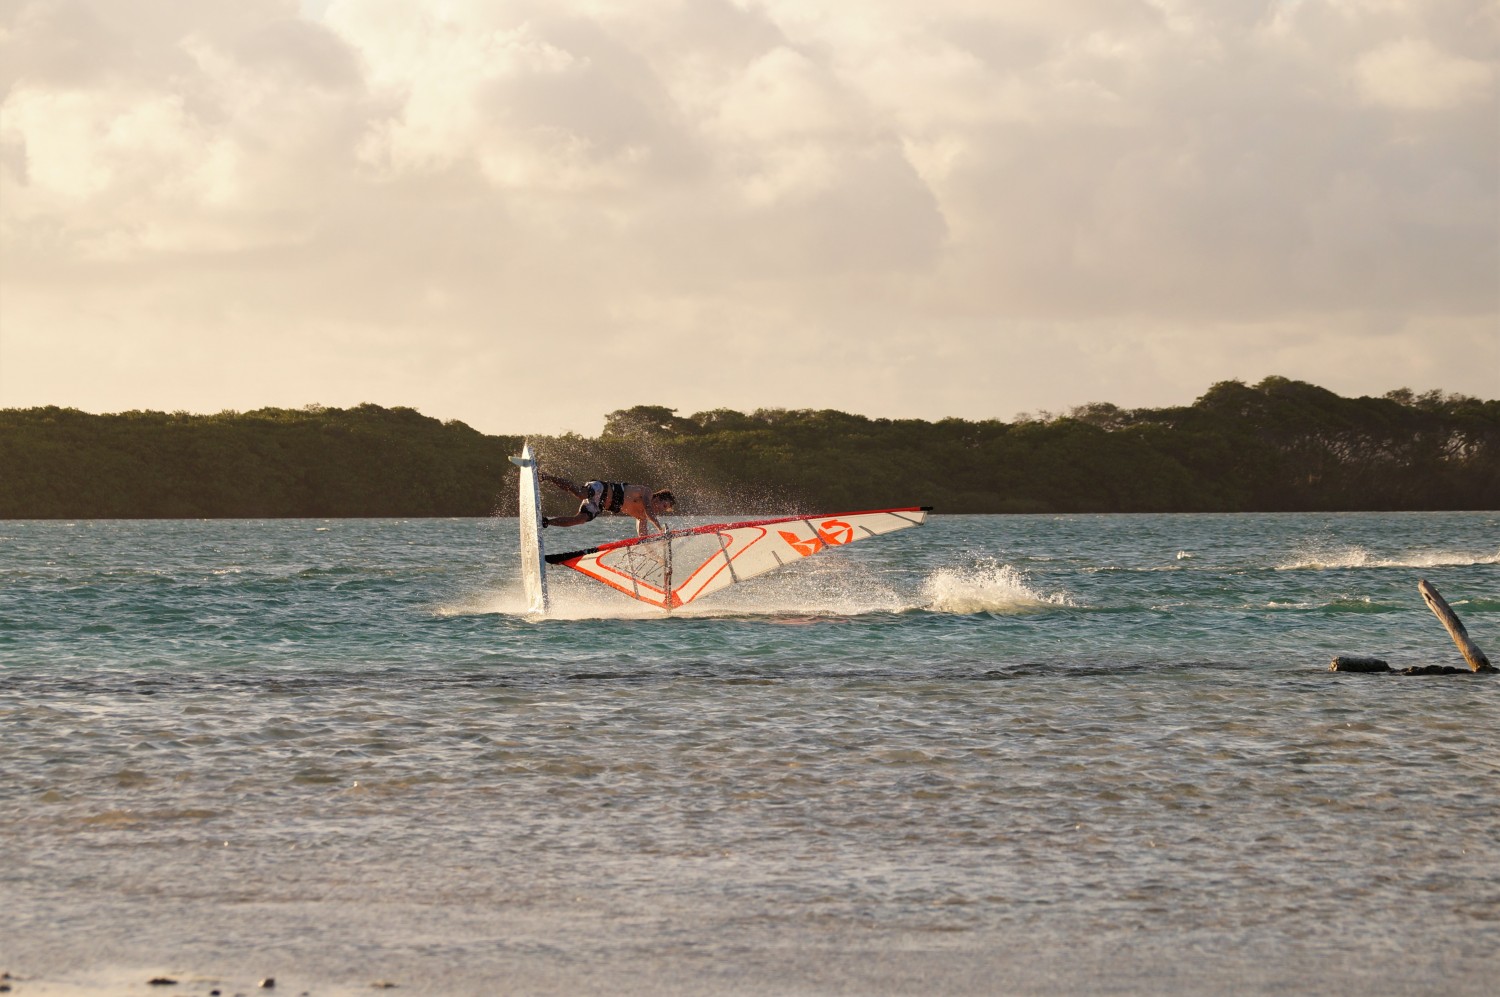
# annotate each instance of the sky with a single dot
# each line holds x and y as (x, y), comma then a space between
(526, 215)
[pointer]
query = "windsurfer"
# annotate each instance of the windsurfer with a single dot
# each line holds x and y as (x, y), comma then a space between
(616, 498)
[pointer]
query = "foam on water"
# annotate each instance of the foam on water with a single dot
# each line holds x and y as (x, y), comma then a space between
(986, 586)
(509, 601)
(1324, 556)
(1341, 604)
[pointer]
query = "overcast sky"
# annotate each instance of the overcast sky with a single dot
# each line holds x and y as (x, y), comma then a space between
(525, 215)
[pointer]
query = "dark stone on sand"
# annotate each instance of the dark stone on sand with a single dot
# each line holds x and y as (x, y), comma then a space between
(162, 981)
(268, 983)
(1356, 664)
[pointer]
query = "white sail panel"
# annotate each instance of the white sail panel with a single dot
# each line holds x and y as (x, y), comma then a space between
(672, 569)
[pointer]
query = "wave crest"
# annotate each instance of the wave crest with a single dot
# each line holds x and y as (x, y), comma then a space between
(1320, 558)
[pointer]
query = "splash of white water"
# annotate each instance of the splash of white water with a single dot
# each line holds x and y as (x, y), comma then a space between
(987, 586)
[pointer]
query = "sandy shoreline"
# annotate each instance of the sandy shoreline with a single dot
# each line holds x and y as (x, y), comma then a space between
(869, 970)
(168, 982)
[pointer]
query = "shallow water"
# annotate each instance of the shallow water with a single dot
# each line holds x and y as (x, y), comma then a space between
(994, 754)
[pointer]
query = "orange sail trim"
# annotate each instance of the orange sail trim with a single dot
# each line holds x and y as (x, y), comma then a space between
(672, 569)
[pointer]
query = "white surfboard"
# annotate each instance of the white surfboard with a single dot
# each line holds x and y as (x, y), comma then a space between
(533, 557)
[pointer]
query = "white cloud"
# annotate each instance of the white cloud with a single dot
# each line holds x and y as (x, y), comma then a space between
(941, 206)
(1413, 74)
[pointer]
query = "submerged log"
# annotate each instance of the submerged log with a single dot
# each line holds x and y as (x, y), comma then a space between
(1349, 663)
(1471, 652)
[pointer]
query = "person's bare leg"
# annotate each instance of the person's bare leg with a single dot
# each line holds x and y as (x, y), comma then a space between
(577, 491)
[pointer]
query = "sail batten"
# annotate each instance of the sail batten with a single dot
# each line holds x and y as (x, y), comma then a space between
(672, 569)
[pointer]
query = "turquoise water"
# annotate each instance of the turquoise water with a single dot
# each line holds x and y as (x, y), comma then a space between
(993, 754)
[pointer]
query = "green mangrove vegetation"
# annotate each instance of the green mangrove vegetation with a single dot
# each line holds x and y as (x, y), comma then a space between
(1280, 445)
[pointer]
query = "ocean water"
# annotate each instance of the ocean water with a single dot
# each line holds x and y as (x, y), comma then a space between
(996, 754)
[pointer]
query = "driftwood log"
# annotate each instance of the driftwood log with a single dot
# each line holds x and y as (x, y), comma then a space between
(1471, 652)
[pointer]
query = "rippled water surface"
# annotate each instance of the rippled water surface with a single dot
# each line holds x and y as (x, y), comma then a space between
(995, 754)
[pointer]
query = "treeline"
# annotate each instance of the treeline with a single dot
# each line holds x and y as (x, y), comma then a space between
(315, 462)
(1279, 445)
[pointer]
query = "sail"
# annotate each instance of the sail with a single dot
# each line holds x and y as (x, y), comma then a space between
(672, 569)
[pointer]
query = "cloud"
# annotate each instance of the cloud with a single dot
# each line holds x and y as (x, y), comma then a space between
(951, 208)
(1413, 74)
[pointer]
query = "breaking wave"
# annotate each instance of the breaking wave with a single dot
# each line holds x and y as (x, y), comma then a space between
(1321, 558)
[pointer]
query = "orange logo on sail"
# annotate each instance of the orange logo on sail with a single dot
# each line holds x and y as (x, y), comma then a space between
(835, 532)
(831, 533)
(804, 547)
